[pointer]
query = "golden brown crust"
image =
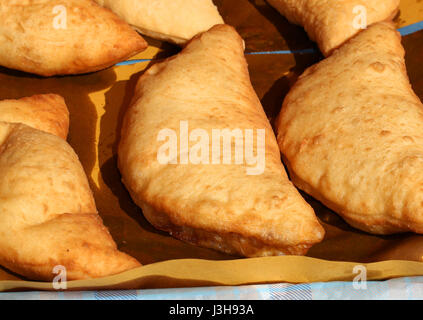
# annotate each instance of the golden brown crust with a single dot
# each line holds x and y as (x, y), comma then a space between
(32, 38)
(351, 133)
(48, 214)
(79, 242)
(230, 243)
(177, 21)
(208, 85)
(331, 22)
(45, 112)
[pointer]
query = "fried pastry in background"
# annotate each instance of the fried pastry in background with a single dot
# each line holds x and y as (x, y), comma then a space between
(332, 22)
(52, 37)
(48, 217)
(351, 132)
(214, 205)
(175, 21)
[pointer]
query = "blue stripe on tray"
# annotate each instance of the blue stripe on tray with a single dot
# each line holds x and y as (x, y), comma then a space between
(412, 28)
(311, 50)
(129, 62)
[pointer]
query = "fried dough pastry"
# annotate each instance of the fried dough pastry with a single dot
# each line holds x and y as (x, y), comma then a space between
(52, 37)
(48, 216)
(175, 21)
(45, 112)
(351, 132)
(332, 22)
(214, 205)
